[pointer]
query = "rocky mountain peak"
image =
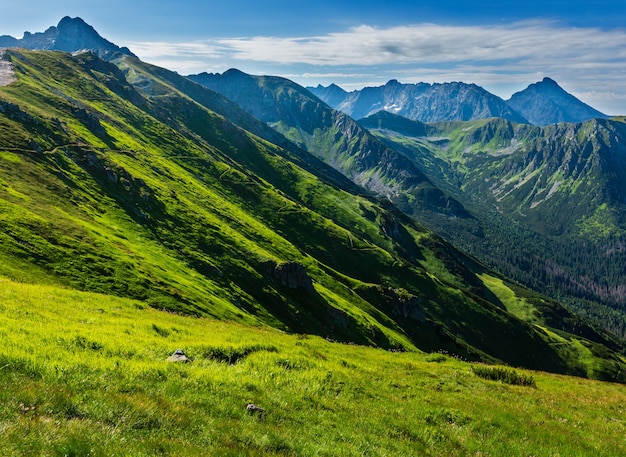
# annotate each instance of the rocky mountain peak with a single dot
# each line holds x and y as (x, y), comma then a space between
(549, 81)
(70, 35)
(332, 95)
(76, 22)
(546, 102)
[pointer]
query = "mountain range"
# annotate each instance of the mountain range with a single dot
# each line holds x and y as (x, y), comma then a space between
(559, 246)
(541, 103)
(252, 200)
(334, 137)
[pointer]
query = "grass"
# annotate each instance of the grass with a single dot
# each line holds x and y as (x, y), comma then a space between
(507, 376)
(518, 306)
(92, 368)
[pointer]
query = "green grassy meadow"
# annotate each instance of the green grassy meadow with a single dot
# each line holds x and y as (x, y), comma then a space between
(86, 374)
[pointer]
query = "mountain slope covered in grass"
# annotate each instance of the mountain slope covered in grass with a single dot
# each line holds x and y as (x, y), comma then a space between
(335, 138)
(89, 376)
(133, 188)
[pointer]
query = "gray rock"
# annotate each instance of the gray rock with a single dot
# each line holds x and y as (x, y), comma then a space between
(178, 356)
(294, 276)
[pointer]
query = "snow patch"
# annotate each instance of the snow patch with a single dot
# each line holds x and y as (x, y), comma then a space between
(395, 108)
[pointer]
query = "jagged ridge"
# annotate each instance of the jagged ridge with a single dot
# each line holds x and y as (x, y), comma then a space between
(423, 102)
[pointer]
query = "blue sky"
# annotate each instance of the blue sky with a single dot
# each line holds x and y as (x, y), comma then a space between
(499, 45)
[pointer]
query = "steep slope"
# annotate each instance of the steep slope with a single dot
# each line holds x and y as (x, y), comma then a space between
(545, 102)
(159, 82)
(150, 195)
(335, 138)
(557, 193)
(422, 102)
(70, 35)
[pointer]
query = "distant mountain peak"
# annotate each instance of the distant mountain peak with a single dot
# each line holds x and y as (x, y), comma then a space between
(70, 35)
(422, 102)
(334, 87)
(547, 84)
(72, 21)
(333, 94)
(547, 80)
(234, 71)
(545, 102)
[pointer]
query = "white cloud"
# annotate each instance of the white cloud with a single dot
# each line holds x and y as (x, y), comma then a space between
(148, 50)
(431, 43)
(502, 58)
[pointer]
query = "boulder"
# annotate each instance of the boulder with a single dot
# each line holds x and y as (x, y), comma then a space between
(178, 356)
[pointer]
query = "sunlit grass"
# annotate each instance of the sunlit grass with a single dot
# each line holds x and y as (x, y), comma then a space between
(93, 369)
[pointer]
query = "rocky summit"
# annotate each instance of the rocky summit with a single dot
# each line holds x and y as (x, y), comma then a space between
(546, 102)
(70, 35)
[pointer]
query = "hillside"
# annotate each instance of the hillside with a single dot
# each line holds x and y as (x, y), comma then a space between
(335, 138)
(89, 376)
(140, 191)
(557, 193)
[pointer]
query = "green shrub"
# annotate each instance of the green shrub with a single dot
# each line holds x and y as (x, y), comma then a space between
(505, 375)
(232, 355)
(437, 357)
(161, 331)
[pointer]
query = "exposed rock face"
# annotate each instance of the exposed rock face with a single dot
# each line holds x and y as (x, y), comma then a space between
(332, 95)
(7, 74)
(546, 103)
(294, 276)
(404, 304)
(423, 102)
(90, 121)
(70, 35)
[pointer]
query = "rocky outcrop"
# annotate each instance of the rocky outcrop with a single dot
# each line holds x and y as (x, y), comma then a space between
(292, 275)
(403, 304)
(7, 73)
(178, 356)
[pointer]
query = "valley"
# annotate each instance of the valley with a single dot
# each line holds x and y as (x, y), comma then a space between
(554, 192)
